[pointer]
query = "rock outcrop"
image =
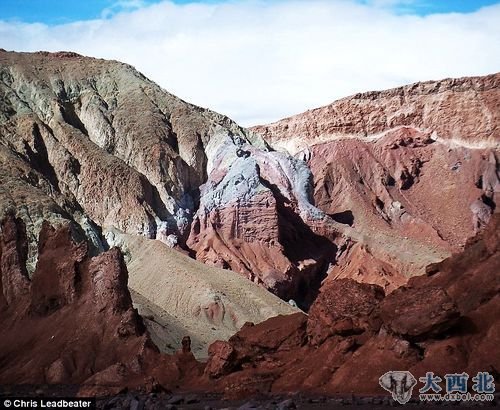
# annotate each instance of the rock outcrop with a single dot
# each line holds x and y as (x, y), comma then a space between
(256, 217)
(446, 322)
(343, 307)
(73, 321)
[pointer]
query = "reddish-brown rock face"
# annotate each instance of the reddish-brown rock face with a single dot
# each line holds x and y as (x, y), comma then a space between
(412, 173)
(463, 109)
(418, 313)
(73, 322)
(256, 217)
(343, 308)
(445, 322)
(407, 204)
(13, 254)
(221, 359)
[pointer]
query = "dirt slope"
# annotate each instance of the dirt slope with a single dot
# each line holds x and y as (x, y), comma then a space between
(186, 297)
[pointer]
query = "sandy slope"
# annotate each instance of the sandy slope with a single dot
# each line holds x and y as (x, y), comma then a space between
(180, 296)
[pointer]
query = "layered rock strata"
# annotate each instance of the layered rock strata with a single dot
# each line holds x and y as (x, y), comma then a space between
(256, 216)
(96, 143)
(411, 172)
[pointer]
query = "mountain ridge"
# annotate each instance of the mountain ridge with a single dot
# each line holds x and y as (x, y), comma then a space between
(329, 121)
(94, 156)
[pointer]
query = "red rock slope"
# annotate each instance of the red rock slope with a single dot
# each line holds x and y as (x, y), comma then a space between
(411, 172)
(73, 322)
(463, 109)
(446, 321)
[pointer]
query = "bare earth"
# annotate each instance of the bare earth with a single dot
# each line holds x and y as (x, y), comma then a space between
(203, 302)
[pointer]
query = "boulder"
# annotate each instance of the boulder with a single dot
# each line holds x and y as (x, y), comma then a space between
(343, 307)
(418, 312)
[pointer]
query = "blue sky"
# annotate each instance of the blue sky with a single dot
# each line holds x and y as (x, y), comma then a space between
(426, 7)
(258, 61)
(65, 11)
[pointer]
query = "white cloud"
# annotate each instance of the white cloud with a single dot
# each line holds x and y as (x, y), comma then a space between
(258, 61)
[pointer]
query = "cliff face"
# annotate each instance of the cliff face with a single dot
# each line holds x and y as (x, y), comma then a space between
(412, 173)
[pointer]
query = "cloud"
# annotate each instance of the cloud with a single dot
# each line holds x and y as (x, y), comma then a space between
(259, 61)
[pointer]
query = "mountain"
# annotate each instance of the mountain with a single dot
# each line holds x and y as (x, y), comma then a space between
(102, 145)
(413, 171)
(94, 145)
(140, 233)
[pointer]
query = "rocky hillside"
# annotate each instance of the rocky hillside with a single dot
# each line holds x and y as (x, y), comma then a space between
(178, 296)
(95, 143)
(446, 321)
(353, 222)
(52, 324)
(461, 110)
(413, 171)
